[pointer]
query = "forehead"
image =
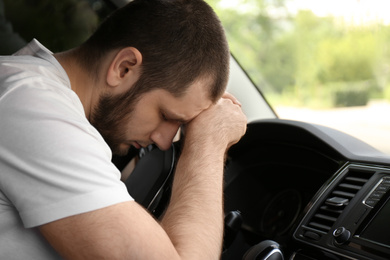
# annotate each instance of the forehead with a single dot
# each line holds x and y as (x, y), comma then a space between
(186, 107)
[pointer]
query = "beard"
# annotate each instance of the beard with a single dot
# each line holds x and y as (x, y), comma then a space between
(110, 115)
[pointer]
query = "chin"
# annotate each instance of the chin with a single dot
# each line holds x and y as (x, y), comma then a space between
(121, 150)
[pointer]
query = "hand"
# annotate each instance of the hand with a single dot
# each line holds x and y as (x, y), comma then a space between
(223, 124)
(227, 95)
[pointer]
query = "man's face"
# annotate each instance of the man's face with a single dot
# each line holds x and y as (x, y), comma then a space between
(154, 118)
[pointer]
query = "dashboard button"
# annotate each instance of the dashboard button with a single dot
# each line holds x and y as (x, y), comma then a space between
(312, 235)
(341, 235)
(383, 187)
(386, 181)
(371, 202)
(376, 195)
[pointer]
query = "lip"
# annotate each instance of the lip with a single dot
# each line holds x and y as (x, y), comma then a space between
(137, 145)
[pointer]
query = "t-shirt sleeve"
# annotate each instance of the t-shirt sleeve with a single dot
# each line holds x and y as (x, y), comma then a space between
(54, 163)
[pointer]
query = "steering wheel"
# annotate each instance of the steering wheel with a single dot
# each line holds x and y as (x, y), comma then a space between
(150, 181)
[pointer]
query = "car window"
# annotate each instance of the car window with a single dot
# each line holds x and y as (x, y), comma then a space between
(325, 62)
(59, 25)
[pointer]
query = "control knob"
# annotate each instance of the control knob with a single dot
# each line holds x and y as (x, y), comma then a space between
(341, 235)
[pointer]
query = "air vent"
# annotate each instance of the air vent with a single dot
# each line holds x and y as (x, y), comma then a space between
(338, 199)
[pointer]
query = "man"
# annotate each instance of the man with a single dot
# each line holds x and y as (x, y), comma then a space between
(151, 67)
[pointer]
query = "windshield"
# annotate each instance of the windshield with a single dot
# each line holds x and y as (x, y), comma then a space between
(325, 62)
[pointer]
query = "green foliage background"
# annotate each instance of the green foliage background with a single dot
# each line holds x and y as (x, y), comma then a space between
(305, 60)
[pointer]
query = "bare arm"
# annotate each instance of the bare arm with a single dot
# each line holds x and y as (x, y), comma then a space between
(192, 227)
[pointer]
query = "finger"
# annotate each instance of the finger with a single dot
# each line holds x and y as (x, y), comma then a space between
(227, 95)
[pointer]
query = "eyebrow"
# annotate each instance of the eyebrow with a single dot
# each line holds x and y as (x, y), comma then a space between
(173, 117)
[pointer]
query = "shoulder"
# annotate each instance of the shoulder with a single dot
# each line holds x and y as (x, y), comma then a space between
(35, 66)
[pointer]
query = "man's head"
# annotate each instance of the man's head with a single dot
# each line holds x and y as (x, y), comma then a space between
(154, 118)
(167, 45)
(179, 40)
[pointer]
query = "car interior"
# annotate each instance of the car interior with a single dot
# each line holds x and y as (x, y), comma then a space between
(297, 191)
(293, 189)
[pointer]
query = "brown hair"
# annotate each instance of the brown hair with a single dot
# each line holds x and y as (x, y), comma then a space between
(180, 41)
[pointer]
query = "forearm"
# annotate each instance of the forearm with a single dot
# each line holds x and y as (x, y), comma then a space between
(194, 218)
(192, 227)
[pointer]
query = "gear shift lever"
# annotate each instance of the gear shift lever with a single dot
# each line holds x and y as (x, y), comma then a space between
(265, 250)
(233, 221)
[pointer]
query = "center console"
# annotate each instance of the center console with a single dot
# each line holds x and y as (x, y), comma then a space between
(349, 217)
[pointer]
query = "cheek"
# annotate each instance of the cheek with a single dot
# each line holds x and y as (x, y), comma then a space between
(145, 117)
(140, 126)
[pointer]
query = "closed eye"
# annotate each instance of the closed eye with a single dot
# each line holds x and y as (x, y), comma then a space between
(164, 117)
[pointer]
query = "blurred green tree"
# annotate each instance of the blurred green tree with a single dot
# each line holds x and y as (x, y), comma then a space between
(304, 55)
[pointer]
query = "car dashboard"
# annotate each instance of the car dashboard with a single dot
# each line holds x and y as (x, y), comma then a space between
(311, 191)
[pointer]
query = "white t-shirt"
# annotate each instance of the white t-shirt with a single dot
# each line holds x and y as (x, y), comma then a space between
(53, 162)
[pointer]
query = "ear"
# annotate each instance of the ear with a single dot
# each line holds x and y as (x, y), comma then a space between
(125, 67)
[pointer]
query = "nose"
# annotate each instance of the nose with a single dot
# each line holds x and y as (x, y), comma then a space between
(163, 135)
